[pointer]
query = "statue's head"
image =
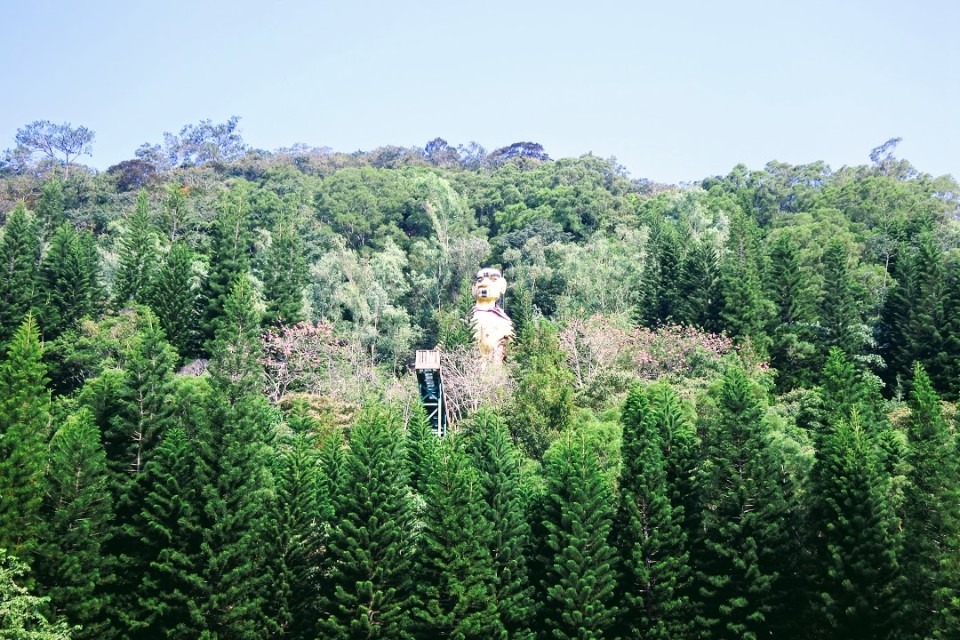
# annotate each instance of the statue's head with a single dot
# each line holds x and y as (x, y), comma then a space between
(489, 286)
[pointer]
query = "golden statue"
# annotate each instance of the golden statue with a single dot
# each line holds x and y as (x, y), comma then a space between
(492, 327)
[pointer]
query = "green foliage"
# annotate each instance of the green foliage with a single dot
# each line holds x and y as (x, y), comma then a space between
(370, 587)
(24, 432)
(173, 296)
(457, 575)
(857, 575)
(169, 530)
(138, 255)
(181, 505)
(746, 311)
(231, 247)
(70, 562)
(19, 270)
(931, 523)
(21, 616)
(498, 461)
(543, 402)
(70, 278)
(240, 560)
(237, 342)
(50, 206)
(299, 526)
(579, 580)
(285, 276)
(793, 349)
(744, 540)
(651, 544)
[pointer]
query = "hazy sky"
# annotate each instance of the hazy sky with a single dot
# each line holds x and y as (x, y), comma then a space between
(676, 91)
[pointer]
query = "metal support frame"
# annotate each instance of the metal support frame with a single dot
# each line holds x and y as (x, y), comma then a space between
(430, 381)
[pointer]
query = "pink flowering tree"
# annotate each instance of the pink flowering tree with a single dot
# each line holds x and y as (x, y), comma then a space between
(303, 357)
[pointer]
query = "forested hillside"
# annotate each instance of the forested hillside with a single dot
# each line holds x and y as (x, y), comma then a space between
(728, 411)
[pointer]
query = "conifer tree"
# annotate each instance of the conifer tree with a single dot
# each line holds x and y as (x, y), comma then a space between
(24, 433)
(648, 537)
(230, 251)
(133, 408)
(240, 556)
(71, 565)
(173, 294)
(681, 451)
(285, 276)
(746, 311)
(498, 461)
(19, 270)
(659, 296)
(70, 276)
(50, 206)
(168, 527)
(743, 545)
(931, 527)
(369, 590)
(543, 402)
(580, 576)
(457, 577)
(298, 528)
(857, 575)
(792, 351)
(698, 299)
(236, 346)
(915, 326)
(138, 255)
(421, 451)
(839, 316)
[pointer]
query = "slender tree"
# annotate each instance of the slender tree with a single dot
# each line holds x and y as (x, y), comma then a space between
(743, 543)
(298, 528)
(457, 576)
(285, 275)
(369, 591)
(19, 270)
(174, 296)
(168, 527)
(24, 432)
(857, 575)
(70, 277)
(648, 537)
(71, 564)
(138, 255)
(498, 461)
(231, 246)
(931, 527)
(792, 351)
(579, 581)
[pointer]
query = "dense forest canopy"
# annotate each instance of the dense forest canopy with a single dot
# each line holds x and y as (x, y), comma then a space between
(728, 410)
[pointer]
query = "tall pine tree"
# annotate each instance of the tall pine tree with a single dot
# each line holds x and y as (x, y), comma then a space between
(743, 544)
(498, 461)
(138, 254)
(579, 580)
(931, 526)
(70, 276)
(857, 574)
(19, 270)
(71, 563)
(457, 576)
(650, 541)
(370, 588)
(24, 432)
(174, 296)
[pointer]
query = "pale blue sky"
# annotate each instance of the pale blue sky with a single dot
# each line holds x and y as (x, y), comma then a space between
(676, 91)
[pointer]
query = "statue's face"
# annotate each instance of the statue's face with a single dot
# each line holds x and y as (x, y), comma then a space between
(489, 285)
